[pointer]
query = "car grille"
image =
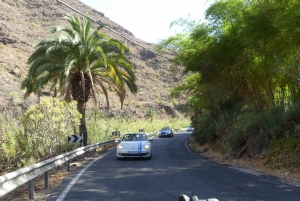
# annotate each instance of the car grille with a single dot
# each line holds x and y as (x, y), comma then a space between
(133, 154)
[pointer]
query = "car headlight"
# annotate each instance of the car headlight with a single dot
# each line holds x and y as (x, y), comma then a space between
(147, 146)
(120, 147)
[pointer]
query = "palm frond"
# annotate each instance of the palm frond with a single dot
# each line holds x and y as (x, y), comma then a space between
(80, 50)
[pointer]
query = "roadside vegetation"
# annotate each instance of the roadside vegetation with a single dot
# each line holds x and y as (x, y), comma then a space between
(42, 131)
(242, 78)
(76, 63)
(241, 85)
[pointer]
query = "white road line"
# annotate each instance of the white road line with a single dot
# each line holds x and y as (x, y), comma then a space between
(71, 184)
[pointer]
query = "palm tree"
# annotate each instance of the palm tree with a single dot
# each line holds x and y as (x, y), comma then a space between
(81, 63)
(150, 114)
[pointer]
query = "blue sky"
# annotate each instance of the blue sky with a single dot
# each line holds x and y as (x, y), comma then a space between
(149, 20)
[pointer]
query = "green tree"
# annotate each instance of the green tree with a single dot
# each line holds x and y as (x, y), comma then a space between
(244, 59)
(81, 63)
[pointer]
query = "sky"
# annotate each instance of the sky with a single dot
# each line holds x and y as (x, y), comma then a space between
(149, 20)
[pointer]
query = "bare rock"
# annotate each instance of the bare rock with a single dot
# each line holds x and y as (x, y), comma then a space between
(254, 145)
(205, 149)
(16, 71)
(6, 40)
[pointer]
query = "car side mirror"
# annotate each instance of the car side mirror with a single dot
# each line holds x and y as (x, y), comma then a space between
(118, 140)
(150, 139)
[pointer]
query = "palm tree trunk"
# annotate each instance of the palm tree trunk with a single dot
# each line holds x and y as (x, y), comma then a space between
(82, 126)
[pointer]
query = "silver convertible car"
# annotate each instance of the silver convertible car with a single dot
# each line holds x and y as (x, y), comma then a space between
(134, 145)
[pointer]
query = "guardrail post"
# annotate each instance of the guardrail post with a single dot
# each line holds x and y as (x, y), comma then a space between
(68, 166)
(105, 146)
(83, 155)
(47, 179)
(31, 189)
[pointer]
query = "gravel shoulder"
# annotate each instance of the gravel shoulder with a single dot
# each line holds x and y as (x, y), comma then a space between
(256, 164)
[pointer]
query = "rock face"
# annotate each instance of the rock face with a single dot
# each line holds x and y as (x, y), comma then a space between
(254, 145)
(6, 40)
(24, 22)
(169, 110)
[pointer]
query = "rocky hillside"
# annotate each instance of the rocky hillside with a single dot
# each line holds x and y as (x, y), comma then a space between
(24, 22)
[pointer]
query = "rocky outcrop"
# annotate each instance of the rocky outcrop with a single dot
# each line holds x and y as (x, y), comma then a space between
(169, 110)
(145, 55)
(254, 145)
(6, 40)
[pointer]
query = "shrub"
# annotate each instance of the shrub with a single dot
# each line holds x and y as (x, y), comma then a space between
(14, 97)
(205, 128)
(47, 126)
(12, 149)
(284, 153)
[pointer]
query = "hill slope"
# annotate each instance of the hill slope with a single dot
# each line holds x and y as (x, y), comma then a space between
(24, 22)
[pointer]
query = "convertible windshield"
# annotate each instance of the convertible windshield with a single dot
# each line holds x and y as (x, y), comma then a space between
(135, 137)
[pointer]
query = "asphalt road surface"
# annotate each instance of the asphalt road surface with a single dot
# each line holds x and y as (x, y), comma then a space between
(173, 170)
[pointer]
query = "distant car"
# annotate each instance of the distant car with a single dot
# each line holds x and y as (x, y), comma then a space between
(190, 129)
(166, 132)
(135, 145)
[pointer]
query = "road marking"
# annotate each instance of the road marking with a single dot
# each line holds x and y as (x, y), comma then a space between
(71, 184)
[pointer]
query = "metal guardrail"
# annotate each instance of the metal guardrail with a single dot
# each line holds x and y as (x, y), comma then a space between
(13, 180)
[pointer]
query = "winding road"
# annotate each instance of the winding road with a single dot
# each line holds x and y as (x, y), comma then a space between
(173, 170)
